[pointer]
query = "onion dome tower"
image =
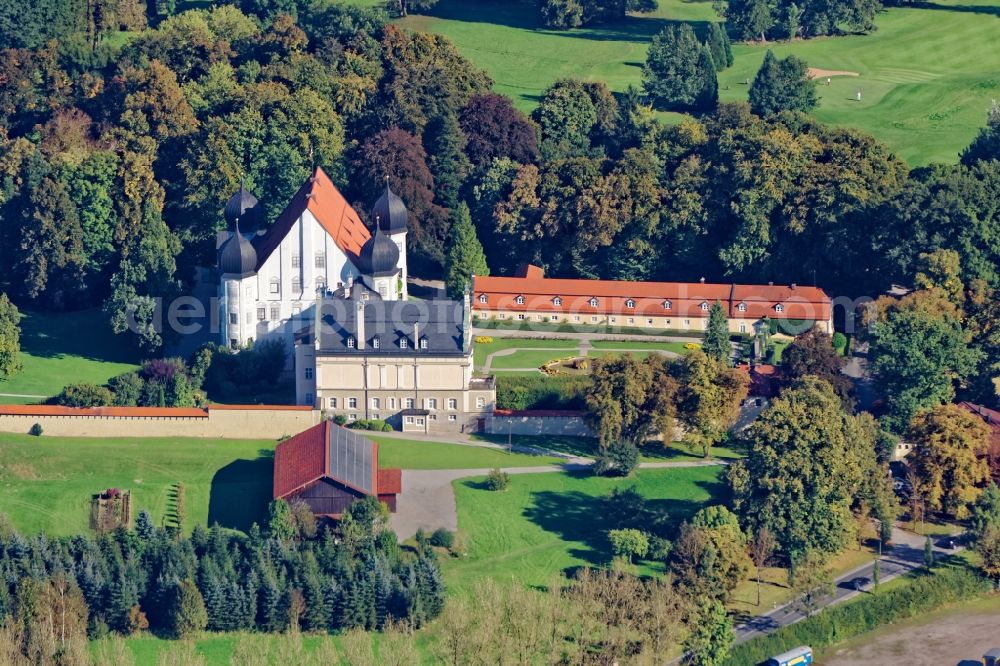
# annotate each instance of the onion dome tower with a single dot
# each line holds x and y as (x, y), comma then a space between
(237, 263)
(391, 216)
(379, 262)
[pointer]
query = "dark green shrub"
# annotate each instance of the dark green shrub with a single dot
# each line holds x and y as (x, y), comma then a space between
(84, 395)
(840, 343)
(442, 538)
(127, 389)
(36, 430)
(790, 327)
(542, 392)
(340, 419)
(618, 459)
(497, 480)
(375, 425)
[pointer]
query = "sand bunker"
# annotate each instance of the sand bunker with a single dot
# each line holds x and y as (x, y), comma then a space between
(816, 73)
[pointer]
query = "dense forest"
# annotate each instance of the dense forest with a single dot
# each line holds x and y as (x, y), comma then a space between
(118, 151)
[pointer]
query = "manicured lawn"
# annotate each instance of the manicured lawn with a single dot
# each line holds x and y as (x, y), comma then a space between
(681, 452)
(576, 446)
(531, 358)
(481, 350)
(46, 482)
(547, 525)
(415, 454)
(927, 74)
(63, 348)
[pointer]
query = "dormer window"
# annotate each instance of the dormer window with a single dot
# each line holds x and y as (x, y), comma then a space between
(556, 301)
(376, 343)
(742, 307)
(350, 343)
(779, 308)
(423, 343)
(593, 302)
(519, 300)
(667, 305)
(704, 306)
(403, 343)
(629, 303)
(482, 298)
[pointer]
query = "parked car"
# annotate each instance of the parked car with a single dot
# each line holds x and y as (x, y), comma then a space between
(860, 583)
(950, 543)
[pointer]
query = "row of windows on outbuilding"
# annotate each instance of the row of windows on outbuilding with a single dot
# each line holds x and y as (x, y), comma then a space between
(629, 303)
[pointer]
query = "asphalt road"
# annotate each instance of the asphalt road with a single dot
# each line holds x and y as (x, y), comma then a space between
(906, 554)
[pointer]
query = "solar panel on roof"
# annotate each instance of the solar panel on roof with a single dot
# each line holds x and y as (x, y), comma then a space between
(351, 458)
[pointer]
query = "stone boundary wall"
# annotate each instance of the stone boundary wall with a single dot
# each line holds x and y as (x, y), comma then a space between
(538, 422)
(217, 421)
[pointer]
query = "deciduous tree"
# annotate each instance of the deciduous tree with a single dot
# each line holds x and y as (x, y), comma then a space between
(949, 445)
(782, 85)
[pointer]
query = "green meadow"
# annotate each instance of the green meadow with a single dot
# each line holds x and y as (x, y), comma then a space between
(927, 75)
(59, 348)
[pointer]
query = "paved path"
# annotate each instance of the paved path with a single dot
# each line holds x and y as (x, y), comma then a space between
(428, 497)
(21, 395)
(906, 554)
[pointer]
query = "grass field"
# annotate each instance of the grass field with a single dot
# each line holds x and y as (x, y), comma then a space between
(412, 454)
(63, 348)
(530, 358)
(546, 525)
(927, 75)
(46, 482)
(676, 347)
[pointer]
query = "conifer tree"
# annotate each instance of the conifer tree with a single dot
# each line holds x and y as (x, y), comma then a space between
(445, 144)
(187, 613)
(716, 343)
(675, 75)
(708, 95)
(465, 254)
(720, 46)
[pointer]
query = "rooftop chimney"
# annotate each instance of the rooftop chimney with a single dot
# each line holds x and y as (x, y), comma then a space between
(770, 284)
(702, 280)
(794, 285)
(361, 325)
(416, 335)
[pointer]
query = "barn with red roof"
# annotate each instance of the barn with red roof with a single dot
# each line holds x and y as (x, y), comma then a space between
(329, 467)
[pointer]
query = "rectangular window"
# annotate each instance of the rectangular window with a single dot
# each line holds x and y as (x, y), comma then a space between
(576, 317)
(409, 420)
(234, 318)
(408, 403)
(332, 402)
(520, 316)
(430, 403)
(249, 318)
(423, 344)
(593, 319)
(352, 403)
(554, 317)
(613, 320)
(274, 286)
(320, 261)
(453, 417)
(631, 320)
(309, 373)
(376, 403)
(452, 404)
(296, 309)
(480, 402)
(295, 261)
(352, 417)
(275, 312)
(309, 398)
(261, 314)
(392, 403)
(420, 420)
(433, 417)
(377, 417)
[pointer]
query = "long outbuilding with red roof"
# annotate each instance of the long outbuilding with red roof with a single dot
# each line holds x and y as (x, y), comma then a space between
(684, 306)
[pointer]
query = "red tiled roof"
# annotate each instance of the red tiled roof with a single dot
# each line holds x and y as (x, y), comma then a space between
(304, 459)
(390, 481)
(649, 298)
(322, 198)
(60, 410)
(301, 460)
(990, 416)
